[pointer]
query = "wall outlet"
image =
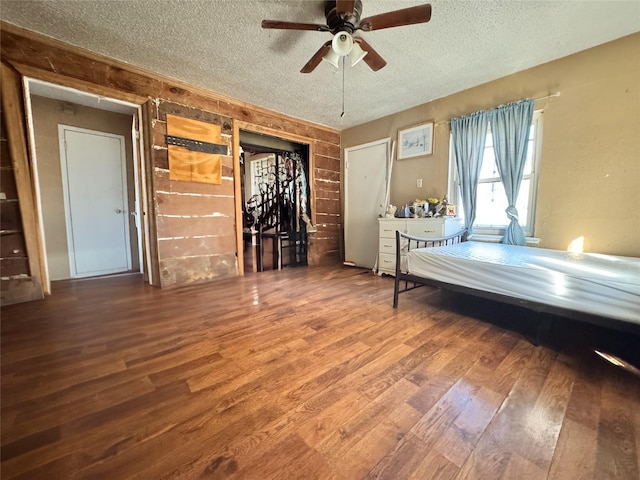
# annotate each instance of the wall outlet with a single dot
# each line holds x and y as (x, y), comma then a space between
(419, 183)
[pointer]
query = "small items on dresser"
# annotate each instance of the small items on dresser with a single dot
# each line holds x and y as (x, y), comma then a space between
(391, 211)
(432, 207)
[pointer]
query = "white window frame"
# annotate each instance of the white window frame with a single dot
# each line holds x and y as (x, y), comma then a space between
(492, 232)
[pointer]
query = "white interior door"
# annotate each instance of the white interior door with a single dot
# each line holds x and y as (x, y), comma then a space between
(365, 187)
(94, 181)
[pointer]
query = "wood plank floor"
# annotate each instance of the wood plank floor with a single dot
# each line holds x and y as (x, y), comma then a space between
(306, 373)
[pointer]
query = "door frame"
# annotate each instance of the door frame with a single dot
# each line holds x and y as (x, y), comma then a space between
(140, 153)
(67, 201)
(382, 141)
(250, 127)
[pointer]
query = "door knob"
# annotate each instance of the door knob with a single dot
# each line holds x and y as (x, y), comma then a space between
(118, 210)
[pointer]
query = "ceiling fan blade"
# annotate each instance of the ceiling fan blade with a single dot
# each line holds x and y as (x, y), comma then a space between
(397, 18)
(317, 58)
(345, 6)
(294, 25)
(372, 58)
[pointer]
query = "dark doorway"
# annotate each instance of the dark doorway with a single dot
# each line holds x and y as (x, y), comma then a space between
(276, 202)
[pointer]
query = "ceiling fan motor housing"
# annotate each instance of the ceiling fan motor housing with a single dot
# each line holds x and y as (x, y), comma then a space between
(345, 22)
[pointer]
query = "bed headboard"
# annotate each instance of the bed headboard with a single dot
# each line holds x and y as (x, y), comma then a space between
(406, 242)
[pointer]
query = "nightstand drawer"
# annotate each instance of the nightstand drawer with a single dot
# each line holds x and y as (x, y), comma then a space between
(387, 262)
(427, 228)
(388, 228)
(388, 245)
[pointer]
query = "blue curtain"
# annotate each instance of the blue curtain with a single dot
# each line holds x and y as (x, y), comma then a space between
(468, 136)
(510, 131)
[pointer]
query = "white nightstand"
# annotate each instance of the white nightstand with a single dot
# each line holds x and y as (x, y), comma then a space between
(418, 227)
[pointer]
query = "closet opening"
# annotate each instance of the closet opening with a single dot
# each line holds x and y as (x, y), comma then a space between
(276, 207)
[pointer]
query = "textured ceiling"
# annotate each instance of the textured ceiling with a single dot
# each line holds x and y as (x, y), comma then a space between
(219, 45)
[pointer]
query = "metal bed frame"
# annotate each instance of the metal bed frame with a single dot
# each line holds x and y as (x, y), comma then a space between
(413, 281)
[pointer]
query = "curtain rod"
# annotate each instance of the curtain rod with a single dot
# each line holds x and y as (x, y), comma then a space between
(557, 94)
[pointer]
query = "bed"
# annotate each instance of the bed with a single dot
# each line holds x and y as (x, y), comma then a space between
(600, 289)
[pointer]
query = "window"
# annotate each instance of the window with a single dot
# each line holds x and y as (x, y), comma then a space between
(491, 200)
(262, 172)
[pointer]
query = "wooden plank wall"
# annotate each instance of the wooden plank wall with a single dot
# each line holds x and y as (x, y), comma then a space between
(195, 222)
(14, 260)
(325, 246)
(17, 283)
(183, 261)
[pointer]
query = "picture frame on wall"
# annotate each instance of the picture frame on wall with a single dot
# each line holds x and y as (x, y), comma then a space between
(415, 141)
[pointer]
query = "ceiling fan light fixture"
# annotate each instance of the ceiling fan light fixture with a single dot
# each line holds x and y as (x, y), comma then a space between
(356, 54)
(332, 57)
(342, 43)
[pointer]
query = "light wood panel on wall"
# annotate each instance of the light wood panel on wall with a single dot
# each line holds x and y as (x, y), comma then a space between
(193, 166)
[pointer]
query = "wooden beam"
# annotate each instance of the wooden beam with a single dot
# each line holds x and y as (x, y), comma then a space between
(239, 199)
(147, 176)
(83, 86)
(14, 118)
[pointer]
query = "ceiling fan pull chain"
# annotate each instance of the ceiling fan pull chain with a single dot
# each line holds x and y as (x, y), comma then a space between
(343, 73)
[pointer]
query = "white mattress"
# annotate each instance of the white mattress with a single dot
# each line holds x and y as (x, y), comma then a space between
(603, 285)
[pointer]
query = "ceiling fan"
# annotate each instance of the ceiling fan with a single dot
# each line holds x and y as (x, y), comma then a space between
(343, 20)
